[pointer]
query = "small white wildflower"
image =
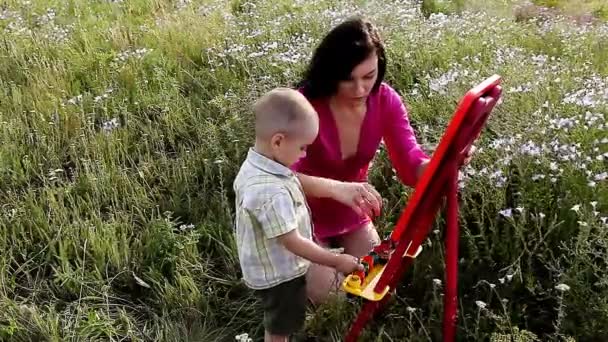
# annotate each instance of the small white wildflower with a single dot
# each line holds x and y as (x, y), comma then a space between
(186, 227)
(75, 100)
(537, 177)
(562, 287)
(501, 280)
(576, 208)
(553, 166)
(108, 126)
(593, 204)
(506, 213)
(583, 224)
(480, 304)
(244, 337)
(509, 277)
(410, 309)
(492, 286)
(437, 282)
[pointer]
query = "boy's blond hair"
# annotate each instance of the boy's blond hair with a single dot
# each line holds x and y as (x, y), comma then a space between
(281, 110)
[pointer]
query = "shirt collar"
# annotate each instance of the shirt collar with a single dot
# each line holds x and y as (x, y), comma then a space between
(267, 165)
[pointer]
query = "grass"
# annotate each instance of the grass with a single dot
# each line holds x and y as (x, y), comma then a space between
(596, 8)
(124, 123)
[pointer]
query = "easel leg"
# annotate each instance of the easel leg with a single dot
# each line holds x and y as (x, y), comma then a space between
(367, 312)
(370, 308)
(451, 250)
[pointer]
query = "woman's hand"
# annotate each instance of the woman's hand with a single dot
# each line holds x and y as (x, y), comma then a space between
(422, 167)
(466, 161)
(469, 155)
(361, 197)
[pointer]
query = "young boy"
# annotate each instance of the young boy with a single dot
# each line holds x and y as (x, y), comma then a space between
(273, 225)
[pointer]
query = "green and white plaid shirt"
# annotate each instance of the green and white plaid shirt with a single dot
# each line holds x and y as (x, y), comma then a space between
(269, 203)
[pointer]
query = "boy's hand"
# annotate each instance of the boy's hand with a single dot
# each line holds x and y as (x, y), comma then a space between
(346, 263)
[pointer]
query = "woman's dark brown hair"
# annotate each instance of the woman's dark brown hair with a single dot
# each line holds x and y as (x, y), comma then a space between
(340, 51)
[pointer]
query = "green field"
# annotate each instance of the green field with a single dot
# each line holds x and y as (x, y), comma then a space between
(123, 124)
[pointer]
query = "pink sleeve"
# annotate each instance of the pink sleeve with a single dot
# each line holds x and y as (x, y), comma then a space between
(403, 149)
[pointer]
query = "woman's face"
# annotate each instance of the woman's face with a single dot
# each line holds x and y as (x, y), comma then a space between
(361, 81)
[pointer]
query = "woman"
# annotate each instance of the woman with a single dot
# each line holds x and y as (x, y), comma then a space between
(344, 83)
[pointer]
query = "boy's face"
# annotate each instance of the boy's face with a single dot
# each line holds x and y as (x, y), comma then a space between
(288, 149)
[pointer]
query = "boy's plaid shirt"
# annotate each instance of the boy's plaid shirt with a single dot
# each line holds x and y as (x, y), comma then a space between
(269, 203)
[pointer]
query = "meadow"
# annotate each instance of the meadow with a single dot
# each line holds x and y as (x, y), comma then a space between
(123, 124)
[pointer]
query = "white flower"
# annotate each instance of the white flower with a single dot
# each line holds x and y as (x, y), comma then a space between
(244, 337)
(553, 166)
(480, 304)
(186, 226)
(506, 213)
(576, 208)
(437, 282)
(537, 177)
(108, 126)
(562, 287)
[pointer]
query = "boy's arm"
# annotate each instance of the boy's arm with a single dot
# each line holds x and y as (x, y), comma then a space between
(276, 217)
(309, 250)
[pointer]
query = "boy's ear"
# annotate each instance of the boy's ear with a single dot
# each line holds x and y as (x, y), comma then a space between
(277, 139)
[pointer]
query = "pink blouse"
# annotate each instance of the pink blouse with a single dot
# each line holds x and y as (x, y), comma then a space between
(387, 119)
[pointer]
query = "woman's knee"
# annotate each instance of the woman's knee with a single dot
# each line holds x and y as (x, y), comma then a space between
(321, 281)
(361, 241)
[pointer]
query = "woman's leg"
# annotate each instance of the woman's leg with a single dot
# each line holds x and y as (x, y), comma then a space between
(321, 281)
(361, 241)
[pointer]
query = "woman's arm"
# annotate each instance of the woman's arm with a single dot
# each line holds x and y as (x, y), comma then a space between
(361, 197)
(317, 186)
(407, 157)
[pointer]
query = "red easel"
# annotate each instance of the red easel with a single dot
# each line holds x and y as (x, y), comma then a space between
(387, 263)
